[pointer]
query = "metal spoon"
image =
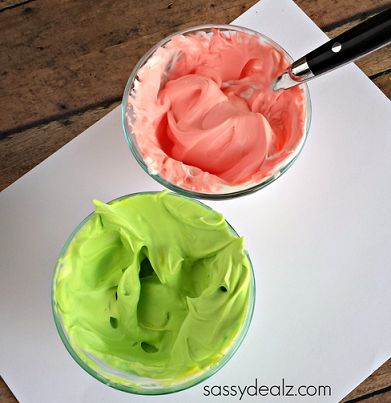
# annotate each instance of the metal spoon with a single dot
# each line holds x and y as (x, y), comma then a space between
(362, 39)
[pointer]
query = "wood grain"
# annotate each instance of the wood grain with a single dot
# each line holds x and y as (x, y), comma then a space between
(7, 4)
(64, 67)
(384, 83)
(383, 397)
(380, 379)
(23, 151)
(6, 395)
(333, 13)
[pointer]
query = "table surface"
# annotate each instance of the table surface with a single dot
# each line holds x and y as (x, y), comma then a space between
(64, 64)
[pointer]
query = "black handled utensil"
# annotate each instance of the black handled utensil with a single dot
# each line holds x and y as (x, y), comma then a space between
(362, 39)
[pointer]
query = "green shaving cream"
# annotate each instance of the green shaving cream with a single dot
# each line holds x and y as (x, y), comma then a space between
(155, 285)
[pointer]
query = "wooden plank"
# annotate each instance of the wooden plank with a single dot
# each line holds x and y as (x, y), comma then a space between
(379, 380)
(6, 395)
(381, 398)
(330, 14)
(23, 151)
(384, 397)
(7, 4)
(384, 83)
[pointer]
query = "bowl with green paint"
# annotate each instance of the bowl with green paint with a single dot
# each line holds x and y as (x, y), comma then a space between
(153, 293)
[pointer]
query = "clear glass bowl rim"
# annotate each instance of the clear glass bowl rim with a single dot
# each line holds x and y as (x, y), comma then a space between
(200, 195)
(166, 389)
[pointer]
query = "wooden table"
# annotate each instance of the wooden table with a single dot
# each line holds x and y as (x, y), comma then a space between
(64, 64)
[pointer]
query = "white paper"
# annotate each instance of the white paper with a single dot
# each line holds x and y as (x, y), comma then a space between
(319, 238)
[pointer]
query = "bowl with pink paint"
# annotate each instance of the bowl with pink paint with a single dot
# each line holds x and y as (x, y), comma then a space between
(200, 116)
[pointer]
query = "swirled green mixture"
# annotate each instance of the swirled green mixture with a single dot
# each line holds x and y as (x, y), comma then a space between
(154, 284)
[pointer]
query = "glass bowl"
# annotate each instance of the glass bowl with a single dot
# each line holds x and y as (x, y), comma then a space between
(226, 192)
(126, 381)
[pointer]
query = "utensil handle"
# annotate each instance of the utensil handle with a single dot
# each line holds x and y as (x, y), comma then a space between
(352, 44)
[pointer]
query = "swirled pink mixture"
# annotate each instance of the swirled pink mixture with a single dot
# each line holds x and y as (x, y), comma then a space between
(205, 117)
